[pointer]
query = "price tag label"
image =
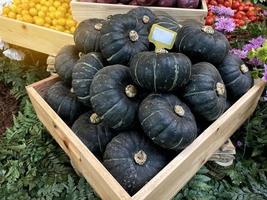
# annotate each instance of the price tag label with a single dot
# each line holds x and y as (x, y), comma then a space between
(162, 37)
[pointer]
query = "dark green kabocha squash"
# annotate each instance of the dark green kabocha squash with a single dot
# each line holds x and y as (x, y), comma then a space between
(93, 133)
(122, 37)
(236, 76)
(202, 43)
(133, 160)
(87, 35)
(64, 102)
(114, 97)
(168, 22)
(160, 71)
(205, 92)
(146, 16)
(83, 73)
(167, 121)
(65, 62)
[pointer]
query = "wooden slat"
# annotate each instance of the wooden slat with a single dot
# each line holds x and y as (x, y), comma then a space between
(181, 169)
(89, 166)
(171, 178)
(85, 10)
(33, 37)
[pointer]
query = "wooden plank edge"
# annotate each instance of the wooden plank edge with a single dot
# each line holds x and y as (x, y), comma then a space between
(93, 170)
(25, 25)
(117, 6)
(155, 187)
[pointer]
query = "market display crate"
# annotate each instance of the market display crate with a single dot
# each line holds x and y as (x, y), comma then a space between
(33, 37)
(173, 176)
(85, 10)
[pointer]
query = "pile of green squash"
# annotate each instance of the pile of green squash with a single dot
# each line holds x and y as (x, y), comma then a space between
(135, 108)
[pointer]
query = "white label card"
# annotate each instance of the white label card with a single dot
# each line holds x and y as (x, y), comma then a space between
(162, 37)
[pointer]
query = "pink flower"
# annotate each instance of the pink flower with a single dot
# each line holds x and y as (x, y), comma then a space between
(224, 24)
(222, 11)
(240, 53)
(265, 73)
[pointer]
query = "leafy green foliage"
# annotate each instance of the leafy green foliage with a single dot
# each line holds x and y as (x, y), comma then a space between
(32, 165)
(260, 53)
(242, 35)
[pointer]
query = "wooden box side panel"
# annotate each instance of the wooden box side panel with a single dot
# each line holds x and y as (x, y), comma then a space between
(180, 170)
(33, 37)
(88, 165)
(85, 10)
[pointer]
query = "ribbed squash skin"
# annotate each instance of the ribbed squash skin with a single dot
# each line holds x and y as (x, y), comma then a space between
(140, 13)
(236, 81)
(65, 62)
(165, 127)
(108, 97)
(201, 46)
(83, 73)
(168, 22)
(87, 35)
(201, 92)
(160, 71)
(64, 103)
(115, 43)
(94, 136)
(119, 160)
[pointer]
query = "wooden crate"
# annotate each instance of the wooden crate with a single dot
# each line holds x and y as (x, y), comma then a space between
(85, 10)
(173, 176)
(33, 37)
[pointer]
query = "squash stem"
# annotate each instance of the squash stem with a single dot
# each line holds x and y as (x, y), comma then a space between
(146, 19)
(161, 50)
(130, 91)
(243, 68)
(95, 119)
(220, 88)
(208, 29)
(133, 35)
(98, 26)
(179, 110)
(140, 157)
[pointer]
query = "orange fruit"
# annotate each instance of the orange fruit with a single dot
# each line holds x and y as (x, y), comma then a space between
(11, 15)
(33, 12)
(39, 21)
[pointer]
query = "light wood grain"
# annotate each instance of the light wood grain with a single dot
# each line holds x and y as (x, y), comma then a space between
(33, 37)
(85, 10)
(171, 178)
(181, 169)
(87, 164)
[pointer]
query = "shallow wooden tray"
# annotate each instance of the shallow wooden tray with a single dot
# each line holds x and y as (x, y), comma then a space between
(33, 37)
(173, 176)
(86, 10)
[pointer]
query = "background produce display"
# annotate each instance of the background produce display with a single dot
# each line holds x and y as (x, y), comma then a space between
(48, 13)
(160, 3)
(154, 102)
(239, 12)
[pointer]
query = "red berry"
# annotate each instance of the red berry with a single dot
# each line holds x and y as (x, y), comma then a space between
(238, 16)
(251, 13)
(235, 4)
(246, 8)
(241, 22)
(227, 4)
(253, 18)
(213, 2)
(209, 20)
(241, 8)
(251, 9)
